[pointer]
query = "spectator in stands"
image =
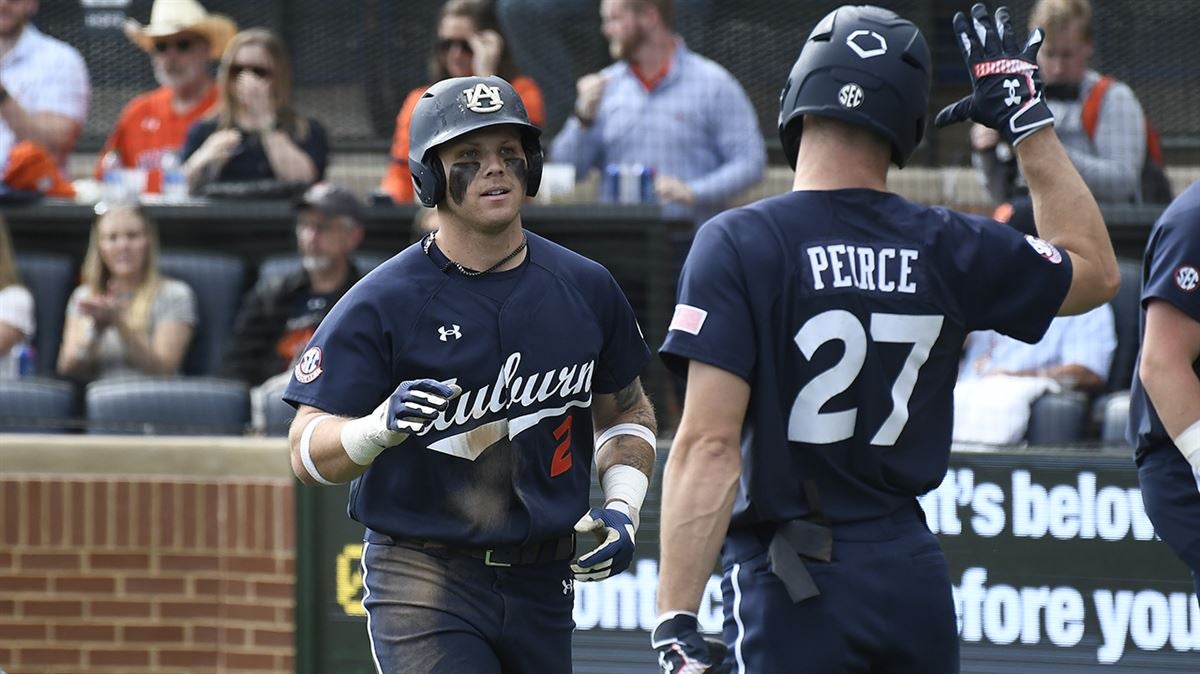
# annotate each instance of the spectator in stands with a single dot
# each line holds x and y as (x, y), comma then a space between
(16, 311)
(44, 86)
(667, 107)
(1000, 377)
(1110, 156)
(554, 41)
(126, 318)
(255, 135)
(469, 42)
(181, 39)
(279, 315)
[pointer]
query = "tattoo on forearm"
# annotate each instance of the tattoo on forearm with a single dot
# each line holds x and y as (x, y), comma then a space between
(633, 407)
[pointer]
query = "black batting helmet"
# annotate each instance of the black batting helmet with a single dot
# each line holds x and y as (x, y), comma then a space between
(458, 106)
(864, 65)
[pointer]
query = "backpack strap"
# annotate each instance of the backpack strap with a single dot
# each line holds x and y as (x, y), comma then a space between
(1091, 106)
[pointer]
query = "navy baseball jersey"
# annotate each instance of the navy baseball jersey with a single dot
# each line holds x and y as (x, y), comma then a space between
(846, 312)
(1171, 273)
(510, 461)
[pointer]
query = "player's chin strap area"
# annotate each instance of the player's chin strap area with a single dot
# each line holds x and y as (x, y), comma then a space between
(797, 540)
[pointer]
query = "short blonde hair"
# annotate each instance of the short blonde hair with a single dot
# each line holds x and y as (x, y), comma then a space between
(1054, 16)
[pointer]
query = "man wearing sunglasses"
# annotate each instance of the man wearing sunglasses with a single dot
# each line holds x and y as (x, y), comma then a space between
(181, 39)
(43, 86)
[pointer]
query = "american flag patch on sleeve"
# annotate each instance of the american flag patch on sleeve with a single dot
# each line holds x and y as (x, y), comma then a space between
(688, 319)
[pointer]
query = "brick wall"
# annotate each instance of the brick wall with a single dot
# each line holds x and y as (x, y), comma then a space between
(146, 574)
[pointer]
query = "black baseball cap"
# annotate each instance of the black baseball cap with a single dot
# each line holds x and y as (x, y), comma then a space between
(331, 199)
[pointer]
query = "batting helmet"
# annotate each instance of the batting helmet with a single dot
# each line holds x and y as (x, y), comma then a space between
(864, 65)
(456, 107)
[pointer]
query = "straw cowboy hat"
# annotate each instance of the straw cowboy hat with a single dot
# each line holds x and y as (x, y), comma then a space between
(172, 17)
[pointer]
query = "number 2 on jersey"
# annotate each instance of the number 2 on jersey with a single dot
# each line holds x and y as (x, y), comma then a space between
(807, 423)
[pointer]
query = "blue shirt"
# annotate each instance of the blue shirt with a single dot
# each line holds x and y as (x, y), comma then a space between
(510, 461)
(1170, 273)
(1087, 339)
(696, 124)
(846, 311)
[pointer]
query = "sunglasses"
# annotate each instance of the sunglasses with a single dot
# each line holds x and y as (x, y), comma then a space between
(444, 46)
(164, 46)
(259, 71)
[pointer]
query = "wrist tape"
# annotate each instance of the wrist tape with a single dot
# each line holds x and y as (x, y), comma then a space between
(1188, 444)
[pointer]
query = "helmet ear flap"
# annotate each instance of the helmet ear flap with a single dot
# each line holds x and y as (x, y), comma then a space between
(534, 160)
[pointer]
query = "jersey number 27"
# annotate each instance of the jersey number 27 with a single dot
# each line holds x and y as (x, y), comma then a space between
(807, 423)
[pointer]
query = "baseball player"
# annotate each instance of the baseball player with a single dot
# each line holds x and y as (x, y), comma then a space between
(820, 332)
(1164, 405)
(459, 386)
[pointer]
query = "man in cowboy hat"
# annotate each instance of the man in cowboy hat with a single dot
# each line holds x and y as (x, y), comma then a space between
(43, 86)
(181, 39)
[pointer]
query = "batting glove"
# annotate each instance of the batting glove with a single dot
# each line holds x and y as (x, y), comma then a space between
(1007, 89)
(683, 650)
(411, 408)
(614, 531)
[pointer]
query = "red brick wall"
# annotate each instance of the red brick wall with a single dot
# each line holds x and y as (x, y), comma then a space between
(146, 574)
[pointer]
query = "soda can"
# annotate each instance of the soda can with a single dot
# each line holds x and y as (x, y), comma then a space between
(630, 190)
(610, 184)
(26, 361)
(646, 175)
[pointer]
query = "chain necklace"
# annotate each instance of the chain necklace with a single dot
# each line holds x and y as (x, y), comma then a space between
(467, 271)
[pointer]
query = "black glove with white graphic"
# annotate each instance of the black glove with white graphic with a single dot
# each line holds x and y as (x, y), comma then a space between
(1007, 92)
(682, 649)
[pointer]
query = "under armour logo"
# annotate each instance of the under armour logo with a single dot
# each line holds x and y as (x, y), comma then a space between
(568, 586)
(452, 332)
(1013, 98)
(481, 92)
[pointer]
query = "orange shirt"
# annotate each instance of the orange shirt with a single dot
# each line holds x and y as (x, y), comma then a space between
(398, 180)
(148, 127)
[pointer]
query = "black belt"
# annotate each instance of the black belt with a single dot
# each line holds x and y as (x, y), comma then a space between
(793, 542)
(796, 540)
(552, 550)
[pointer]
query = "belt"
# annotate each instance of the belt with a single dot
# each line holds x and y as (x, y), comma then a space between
(542, 552)
(793, 542)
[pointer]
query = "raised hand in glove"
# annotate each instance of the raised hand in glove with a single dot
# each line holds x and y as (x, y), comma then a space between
(410, 409)
(682, 649)
(614, 531)
(1007, 89)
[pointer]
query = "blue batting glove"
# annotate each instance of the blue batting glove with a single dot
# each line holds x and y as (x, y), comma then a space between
(682, 649)
(614, 531)
(415, 404)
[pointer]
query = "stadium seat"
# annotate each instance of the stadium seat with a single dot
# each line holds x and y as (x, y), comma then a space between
(36, 405)
(274, 266)
(1057, 418)
(1127, 307)
(50, 278)
(167, 406)
(1114, 415)
(217, 281)
(277, 415)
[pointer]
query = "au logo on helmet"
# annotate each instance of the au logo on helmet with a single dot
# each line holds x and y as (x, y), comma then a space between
(482, 98)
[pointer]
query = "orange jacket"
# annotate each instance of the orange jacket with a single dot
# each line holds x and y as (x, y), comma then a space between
(398, 180)
(148, 127)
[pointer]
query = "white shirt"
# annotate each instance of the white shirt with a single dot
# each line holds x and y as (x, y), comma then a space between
(16, 310)
(43, 75)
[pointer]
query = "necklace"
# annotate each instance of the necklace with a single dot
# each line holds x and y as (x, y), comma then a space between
(467, 271)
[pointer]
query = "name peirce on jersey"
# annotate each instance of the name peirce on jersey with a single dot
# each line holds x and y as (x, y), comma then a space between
(522, 399)
(875, 268)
